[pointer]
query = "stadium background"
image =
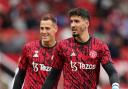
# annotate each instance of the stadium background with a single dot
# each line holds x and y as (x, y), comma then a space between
(19, 23)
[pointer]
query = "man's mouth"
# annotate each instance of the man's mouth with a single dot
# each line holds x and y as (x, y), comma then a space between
(44, 36)
(74, 30)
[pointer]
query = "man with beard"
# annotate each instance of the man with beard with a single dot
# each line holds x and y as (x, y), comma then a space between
(80, 57)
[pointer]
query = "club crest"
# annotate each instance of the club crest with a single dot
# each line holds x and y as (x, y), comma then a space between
(93, 54)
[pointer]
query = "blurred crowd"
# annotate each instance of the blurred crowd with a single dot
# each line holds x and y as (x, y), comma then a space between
(19, 23)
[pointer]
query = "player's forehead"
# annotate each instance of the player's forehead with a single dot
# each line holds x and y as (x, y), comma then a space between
(46, 23)
(75, 17)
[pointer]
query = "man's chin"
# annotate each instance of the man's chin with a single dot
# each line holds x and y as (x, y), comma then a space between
(45, 40)
(75, 35)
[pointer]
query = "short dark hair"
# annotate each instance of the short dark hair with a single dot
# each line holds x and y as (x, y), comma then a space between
(79, 12)
(49, 17)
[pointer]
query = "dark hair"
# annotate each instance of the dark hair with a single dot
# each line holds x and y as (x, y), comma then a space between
(49, 17)
(79, 12)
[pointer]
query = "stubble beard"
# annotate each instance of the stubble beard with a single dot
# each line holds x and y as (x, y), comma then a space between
(76, 35)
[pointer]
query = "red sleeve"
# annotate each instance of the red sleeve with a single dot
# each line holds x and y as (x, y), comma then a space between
(24, 59)
(105, 56)
(58, 57)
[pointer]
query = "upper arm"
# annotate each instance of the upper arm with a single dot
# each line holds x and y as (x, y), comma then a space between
(105, 54)
(106, 62)
(23, 61)
(58, 60)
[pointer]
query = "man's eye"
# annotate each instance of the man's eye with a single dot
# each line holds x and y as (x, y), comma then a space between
(71, 21)
(41, 28)
(76, 21)
(47, 28)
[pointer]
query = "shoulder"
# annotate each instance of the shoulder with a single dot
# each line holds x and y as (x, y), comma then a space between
(98, 41)
(100, 44)
(63, 44)
(65, 41)
(32, 43)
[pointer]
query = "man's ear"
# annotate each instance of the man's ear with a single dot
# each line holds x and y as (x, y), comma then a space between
(56, 28)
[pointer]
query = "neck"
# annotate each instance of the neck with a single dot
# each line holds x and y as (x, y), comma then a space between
(83, 38)
(49, 43)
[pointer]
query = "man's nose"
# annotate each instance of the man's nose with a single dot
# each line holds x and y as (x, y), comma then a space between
(43, 31)
(73, 24)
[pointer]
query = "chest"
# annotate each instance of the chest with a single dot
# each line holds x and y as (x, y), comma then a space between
(82, 58)
(84, 54)
(40, 55)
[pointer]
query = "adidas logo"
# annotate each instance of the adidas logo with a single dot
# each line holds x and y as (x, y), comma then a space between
(36, 54)
(73, 54)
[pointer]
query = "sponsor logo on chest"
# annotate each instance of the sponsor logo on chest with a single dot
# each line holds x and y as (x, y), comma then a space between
(37, 66)
(75, 64)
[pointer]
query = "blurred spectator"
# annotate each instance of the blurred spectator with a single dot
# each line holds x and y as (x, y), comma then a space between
(4, 6)
(30, 20)
(5, 21)
(124, 78)
(13, 42)
(42, 7)
(115, 45)
(123, 27)
(124, 52)
(104, 7)
(88, 4)
(123, 6)
(62, 20)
